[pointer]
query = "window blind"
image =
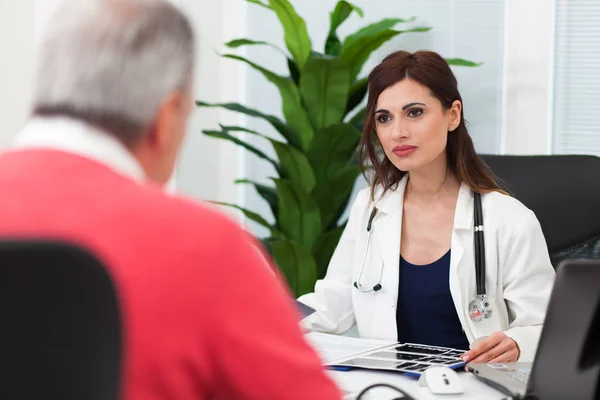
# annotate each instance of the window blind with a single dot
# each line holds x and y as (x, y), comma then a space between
(576, 108)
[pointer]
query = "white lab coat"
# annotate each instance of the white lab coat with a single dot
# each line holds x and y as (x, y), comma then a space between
(519, 275)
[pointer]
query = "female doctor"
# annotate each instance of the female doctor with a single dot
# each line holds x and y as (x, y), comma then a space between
(412, 264)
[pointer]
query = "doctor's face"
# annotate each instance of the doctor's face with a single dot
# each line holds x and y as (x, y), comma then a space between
(412, 125)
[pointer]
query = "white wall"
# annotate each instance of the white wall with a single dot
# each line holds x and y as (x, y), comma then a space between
(529, 52)
(207, 166)
(16, 60)
(21, 24)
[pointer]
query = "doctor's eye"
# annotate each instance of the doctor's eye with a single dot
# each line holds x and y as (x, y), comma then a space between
(414, 112)
(383, 118)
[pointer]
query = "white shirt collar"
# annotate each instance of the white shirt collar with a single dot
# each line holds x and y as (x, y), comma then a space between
(77, 137)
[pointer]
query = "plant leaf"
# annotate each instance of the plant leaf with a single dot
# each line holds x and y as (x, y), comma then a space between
(297, 264)
(269, 194)
(293, 111)
(462, 63)
(331, 149)
(295, 166)
(358, 91)
(299, 217)
(324, 87)
(332, 194)
(266, 243)
(358, 47)
(294, 29)
(294, 72)
(244, 42)
(333, 46)
(233, 128)
(279, 125)
(342, 11)
(247, 42)
(258, 2)
(253, 217)
(375, 28)
(340, 212)
(324, 248)
(250, 148)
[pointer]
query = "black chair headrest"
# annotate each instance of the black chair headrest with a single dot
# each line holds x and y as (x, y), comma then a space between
(562, 190)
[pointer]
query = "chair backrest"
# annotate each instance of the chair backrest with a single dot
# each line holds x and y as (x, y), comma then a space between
(564, 193)
(61, 329)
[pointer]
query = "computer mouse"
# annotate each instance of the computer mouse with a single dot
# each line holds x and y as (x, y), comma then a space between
(441, 380)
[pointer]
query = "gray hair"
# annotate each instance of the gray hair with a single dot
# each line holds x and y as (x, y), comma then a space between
(112, 63)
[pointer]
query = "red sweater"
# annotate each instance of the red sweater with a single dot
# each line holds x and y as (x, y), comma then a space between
(204, 315)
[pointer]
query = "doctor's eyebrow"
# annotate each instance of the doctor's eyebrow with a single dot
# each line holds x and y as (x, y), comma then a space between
(409, 105)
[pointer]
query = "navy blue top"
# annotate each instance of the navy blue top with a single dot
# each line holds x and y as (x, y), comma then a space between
(426, 312)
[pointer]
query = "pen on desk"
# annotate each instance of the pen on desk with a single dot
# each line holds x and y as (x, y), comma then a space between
(339, 368)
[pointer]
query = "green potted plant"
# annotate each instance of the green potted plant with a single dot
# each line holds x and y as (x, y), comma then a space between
(316, 159)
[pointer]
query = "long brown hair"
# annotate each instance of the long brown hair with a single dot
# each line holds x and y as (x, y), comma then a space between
(432, 71)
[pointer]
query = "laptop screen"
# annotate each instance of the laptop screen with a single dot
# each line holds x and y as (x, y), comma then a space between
(556, 371)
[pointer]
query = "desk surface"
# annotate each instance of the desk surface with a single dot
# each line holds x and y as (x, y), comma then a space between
(355, 380)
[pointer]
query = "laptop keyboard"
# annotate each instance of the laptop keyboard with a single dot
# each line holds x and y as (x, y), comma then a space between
(521, 375)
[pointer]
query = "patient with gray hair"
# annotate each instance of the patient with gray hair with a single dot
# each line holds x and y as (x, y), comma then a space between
(123, 67)
(203, 313)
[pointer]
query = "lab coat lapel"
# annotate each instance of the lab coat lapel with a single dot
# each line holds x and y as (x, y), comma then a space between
(461, 256)
(388, 242)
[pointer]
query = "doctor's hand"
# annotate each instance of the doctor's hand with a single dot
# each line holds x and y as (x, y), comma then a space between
(496, 348)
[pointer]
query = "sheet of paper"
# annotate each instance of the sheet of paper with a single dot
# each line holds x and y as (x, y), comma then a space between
(333, 348)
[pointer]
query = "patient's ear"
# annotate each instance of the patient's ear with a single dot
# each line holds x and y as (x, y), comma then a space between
(159, 148)
(171, 121)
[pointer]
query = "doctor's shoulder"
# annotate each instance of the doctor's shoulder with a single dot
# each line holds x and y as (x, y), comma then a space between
(507, 213)
(366, 199)
(362, 204)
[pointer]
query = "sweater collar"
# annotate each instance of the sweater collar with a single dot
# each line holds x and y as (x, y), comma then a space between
(77, 137)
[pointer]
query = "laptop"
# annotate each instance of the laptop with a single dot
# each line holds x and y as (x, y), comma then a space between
(566, 363)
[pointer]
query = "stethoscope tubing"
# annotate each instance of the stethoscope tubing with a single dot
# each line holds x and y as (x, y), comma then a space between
(479, 245)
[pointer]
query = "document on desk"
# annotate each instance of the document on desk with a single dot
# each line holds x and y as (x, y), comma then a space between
(333, 348)
(344, 352)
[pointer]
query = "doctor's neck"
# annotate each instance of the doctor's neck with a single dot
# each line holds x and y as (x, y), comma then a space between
(432, 181)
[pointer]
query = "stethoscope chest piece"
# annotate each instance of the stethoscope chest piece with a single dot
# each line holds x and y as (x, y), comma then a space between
(480, 308)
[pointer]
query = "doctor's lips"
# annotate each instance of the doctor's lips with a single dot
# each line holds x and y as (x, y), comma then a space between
(404, 150)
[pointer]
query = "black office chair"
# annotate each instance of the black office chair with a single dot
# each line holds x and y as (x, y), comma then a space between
(61, 329)
(564, 193)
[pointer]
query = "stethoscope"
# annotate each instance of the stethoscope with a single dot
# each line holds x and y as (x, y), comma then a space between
(479, 308)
